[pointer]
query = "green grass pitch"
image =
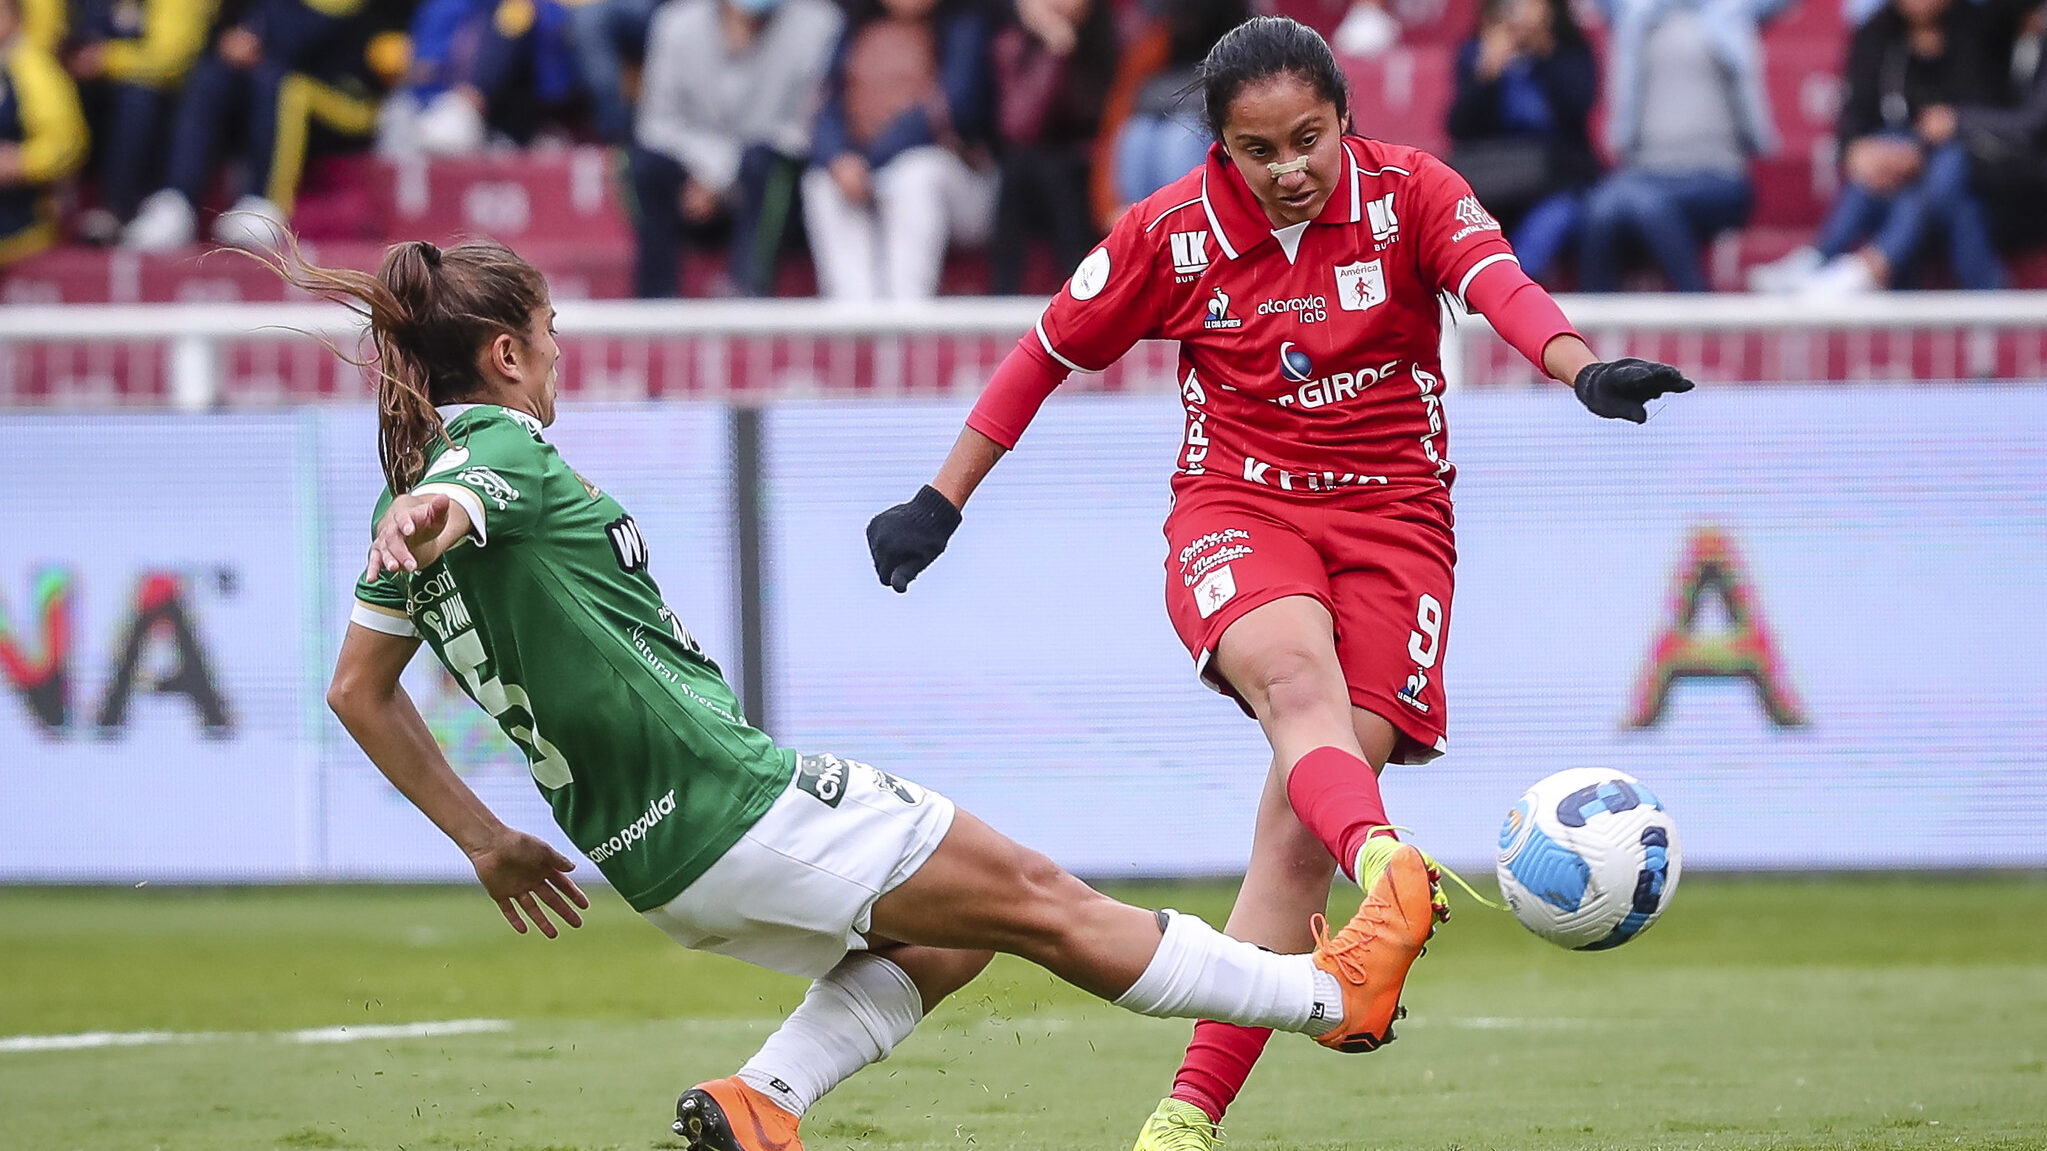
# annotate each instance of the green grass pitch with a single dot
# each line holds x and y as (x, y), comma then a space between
(1860, 1012)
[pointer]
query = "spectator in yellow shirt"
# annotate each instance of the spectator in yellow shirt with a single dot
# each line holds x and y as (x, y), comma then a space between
(42, 138)
(130, 58)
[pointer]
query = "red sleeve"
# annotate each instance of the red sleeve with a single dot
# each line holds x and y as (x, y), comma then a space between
(1112, 301)
(1459, 238)
(1015, 392)
(1520, 311)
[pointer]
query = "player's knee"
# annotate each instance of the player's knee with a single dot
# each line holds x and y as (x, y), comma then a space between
(1049, 901)
(1292, 683)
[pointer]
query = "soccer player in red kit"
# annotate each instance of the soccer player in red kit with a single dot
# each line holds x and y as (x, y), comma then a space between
(1310, 550)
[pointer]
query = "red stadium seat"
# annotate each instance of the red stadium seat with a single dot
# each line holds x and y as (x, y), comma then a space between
(1404, 95)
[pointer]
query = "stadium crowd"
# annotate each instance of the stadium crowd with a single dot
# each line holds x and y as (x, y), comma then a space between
(1615, 139)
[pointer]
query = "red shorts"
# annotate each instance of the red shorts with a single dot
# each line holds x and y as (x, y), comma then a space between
(1384, 573)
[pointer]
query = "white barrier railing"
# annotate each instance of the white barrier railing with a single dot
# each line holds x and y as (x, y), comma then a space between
(1973, 322)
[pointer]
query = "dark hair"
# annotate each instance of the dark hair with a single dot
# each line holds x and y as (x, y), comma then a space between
(1262, 48)
(430, 313)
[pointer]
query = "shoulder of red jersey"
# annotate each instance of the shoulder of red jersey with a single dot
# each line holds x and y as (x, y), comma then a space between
(1383, 158)
(1177, 203)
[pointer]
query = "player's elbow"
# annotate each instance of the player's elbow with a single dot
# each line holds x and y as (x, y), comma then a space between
(350, 697)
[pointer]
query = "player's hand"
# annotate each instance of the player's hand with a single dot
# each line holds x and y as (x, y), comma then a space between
(907, 537)
(1618, 389)
(408, 525)
(522, 872)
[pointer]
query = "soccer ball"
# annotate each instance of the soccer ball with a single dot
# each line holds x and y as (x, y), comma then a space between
(1588, 859)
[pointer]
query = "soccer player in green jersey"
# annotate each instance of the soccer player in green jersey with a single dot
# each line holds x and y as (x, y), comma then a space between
(530, 584)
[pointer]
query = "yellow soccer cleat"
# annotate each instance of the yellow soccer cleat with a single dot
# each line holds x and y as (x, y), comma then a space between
(728, 1115)
(1179, 1126)
(1372, 953)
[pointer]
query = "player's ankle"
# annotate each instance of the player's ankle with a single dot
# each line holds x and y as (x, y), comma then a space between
(1190, 1094)
(773, 1090)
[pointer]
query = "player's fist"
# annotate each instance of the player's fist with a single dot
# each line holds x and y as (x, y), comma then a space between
(1618, 389)
(907, 537)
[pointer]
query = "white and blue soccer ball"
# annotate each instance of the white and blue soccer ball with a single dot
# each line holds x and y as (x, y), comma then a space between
(1588, 859)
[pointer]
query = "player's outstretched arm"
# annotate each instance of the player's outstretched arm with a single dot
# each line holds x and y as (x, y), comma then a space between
(1528, 319)
(521, 872)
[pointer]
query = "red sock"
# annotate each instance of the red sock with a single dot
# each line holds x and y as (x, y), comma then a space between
(1218, 1062)
(1337, 795)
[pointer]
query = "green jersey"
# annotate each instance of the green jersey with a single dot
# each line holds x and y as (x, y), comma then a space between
(547, 617)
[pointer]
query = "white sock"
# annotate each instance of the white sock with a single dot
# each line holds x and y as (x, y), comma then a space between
(852, 1017)
(1200, 973)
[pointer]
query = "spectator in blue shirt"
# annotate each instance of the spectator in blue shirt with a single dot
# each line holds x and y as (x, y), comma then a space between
(898, 168)
(1525, 87)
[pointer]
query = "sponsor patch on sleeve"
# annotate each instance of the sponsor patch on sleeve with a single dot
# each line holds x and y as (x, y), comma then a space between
(1091, 276)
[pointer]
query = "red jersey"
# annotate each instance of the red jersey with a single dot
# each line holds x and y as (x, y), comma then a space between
(1313, 370)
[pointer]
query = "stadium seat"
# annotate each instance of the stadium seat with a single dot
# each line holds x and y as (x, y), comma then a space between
(1404, 95)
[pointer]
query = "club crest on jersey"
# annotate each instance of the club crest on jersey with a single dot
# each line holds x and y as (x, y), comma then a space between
(1190, 254)
(1294, 365)
(1218, 315)
(1385, 225)
(1361, 287)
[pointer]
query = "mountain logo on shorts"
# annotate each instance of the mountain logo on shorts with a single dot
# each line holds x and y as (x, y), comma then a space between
(906, 792)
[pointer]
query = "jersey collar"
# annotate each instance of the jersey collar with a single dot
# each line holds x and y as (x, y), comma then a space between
(450, 411)
(1240, 225)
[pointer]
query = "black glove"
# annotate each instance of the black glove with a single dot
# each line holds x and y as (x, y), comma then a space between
(1617, 389)
(907, 537)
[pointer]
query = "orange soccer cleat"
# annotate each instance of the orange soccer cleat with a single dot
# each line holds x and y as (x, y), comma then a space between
(728, 1115)
(1372, 953)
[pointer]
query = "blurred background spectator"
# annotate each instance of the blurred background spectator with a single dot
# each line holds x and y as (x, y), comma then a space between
(480, 66)
(281, 78)
(609, 37)
(899, 168)
(1519, 125)
(725, 118)
(1906, 175)
(1053, 67)
(1687, 112)
(42, 138)
(1010, 134)
(1154, 124)
(130, 60)
(2006, 139)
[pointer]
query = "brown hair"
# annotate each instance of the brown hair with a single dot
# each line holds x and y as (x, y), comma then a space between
(430, 312)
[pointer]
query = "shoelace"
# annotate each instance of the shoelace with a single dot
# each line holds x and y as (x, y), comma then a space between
(1437, 870)
(1200, 1134)
(1340, 951)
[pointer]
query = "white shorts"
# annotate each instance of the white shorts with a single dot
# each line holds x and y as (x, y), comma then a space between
(797, 892)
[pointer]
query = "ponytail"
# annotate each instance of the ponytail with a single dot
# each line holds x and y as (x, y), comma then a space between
(430, 314)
